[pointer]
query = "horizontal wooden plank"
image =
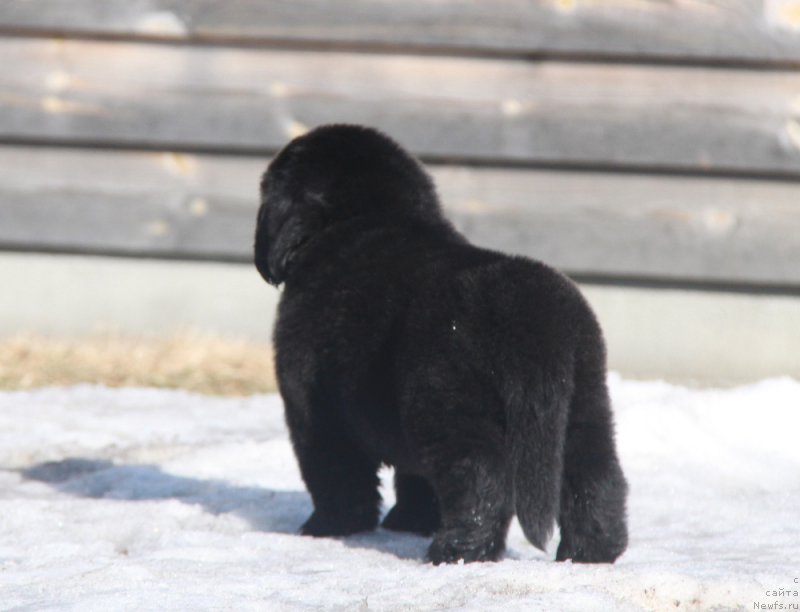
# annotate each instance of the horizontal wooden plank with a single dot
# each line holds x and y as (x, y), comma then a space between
(155, 95)
(590, 224)
(753, 30)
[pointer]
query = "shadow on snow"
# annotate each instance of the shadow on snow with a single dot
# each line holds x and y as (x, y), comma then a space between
(264, 509)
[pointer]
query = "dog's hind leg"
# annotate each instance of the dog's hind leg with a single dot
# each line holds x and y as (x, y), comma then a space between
(593, 491)
(466, 463)
(474, 492)
(455, 422)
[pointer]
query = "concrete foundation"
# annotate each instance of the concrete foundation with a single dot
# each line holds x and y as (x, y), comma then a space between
(681, 336)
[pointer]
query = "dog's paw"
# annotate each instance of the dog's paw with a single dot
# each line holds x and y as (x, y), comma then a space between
(412, 520)
(450, 548)
(598, 550)
(321, 525)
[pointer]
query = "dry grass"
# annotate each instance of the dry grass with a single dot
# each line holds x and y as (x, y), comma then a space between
(193, 361)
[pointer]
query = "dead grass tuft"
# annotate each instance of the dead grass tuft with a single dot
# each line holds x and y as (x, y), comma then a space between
(188, 360)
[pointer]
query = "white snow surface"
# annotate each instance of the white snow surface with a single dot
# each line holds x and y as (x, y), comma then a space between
(142, 499)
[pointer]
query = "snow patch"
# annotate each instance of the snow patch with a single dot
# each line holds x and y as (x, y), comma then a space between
(154, 500)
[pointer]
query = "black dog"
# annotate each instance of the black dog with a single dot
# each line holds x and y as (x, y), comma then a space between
(480, 377)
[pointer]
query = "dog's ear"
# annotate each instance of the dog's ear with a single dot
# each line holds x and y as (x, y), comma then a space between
(284, 226)
(262, 242)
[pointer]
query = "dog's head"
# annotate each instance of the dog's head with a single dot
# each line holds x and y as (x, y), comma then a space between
(331, 175)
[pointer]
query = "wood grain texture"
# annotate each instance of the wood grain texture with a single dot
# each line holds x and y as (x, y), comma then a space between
(752, 30)
(592, 224)
(164, 96)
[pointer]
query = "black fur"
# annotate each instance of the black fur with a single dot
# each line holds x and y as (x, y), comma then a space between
(480, 377)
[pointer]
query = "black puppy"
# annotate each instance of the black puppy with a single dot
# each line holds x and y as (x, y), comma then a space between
(480, 377)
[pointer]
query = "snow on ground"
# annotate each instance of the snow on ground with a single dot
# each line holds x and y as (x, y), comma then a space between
(142, 499)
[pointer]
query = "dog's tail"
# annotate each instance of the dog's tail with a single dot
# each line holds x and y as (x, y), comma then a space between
(536, 420)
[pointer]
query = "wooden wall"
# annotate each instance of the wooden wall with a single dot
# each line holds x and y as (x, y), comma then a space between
(645, 142)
